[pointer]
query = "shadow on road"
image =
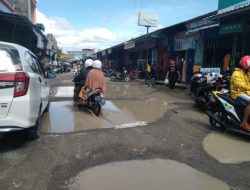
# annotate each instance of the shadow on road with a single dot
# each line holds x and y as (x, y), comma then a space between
(12, 141)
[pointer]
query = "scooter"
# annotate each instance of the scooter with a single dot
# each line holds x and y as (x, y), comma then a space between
(203, 85)
(94, 101)
(226, 113)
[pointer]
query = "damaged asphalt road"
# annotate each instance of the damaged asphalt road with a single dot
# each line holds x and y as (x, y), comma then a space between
(53, 160)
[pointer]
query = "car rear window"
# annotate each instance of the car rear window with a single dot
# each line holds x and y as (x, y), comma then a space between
(9, 60)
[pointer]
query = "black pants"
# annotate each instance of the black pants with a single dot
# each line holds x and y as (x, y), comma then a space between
(76, 93)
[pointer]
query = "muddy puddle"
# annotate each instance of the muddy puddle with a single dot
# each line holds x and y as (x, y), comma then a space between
(64, 117)
(127, 89)
(145, 175)
(227, 148)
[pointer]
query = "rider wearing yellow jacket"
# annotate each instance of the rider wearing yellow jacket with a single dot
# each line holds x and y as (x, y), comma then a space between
(240, 88)
(239, 83)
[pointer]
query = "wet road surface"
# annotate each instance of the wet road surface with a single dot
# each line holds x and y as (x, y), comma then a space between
(137, 123)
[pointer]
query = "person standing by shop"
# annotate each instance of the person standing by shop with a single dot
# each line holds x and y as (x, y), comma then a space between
(148, 72)
(226, 62)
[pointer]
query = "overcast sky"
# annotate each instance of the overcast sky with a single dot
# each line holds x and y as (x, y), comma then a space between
(79, 24)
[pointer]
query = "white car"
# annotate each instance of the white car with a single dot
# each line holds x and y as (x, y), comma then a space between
(24, 92)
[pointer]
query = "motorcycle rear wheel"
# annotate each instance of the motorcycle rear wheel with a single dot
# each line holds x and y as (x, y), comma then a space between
(96, 108)
(214, 124)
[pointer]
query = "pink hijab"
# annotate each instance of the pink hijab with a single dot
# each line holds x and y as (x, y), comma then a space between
(95, 80)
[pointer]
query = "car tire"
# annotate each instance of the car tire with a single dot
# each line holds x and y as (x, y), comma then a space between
(34, 132)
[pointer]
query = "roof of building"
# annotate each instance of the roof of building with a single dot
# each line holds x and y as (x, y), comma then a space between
(162, 32)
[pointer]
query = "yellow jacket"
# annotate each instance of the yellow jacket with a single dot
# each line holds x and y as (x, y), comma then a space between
(239, 84)
(148, 68)
(248, 77)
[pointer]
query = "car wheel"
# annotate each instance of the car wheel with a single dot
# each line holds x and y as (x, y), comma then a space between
(34, 132)
(47, 107)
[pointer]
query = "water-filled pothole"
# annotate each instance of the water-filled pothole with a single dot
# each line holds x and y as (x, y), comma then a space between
(64, 117)
(227, 148)
(145, 175)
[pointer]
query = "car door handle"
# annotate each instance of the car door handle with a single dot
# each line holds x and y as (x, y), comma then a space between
(40, 80)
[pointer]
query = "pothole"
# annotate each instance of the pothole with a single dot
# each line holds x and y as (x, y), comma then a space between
(227, 148)
(64, 117)
(145, 175)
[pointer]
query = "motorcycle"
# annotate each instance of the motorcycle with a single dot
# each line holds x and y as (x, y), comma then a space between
(202, 86)
(226, 113)
(125, 76)
(94, 101)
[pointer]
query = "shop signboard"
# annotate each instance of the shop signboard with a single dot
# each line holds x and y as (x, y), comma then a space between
(184, 44)
(201, 24)
(231, 28)
(129, 45)
(231, 5)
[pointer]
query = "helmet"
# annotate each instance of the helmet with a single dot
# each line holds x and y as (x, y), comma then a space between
(88, 63)
(97, 64)
(245, 62)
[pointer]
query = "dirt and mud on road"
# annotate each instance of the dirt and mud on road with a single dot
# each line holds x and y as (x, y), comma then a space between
(146, 138)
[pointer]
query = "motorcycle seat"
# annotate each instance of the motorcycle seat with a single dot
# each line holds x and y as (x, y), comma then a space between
(232, 101)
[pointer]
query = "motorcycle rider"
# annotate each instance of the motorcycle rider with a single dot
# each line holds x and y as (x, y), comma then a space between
(81, 78)
(95, 80)
(240, 88)
(87, 68)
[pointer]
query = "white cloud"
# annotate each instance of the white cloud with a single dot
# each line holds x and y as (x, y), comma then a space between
(69, 38)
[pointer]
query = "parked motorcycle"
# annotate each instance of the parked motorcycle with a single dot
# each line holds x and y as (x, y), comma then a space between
(226, 113)
(117, 76)
(94, 101)
(202, 86)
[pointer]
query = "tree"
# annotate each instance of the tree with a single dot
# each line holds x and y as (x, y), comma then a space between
(61, 56)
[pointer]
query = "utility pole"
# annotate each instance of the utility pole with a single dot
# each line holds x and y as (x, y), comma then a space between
(147, 28)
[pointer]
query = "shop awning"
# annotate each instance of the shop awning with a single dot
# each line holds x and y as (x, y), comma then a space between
(219, 16)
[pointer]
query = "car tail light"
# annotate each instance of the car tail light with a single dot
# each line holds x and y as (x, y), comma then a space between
(21, 84)
(19, 80)
(7, 77)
